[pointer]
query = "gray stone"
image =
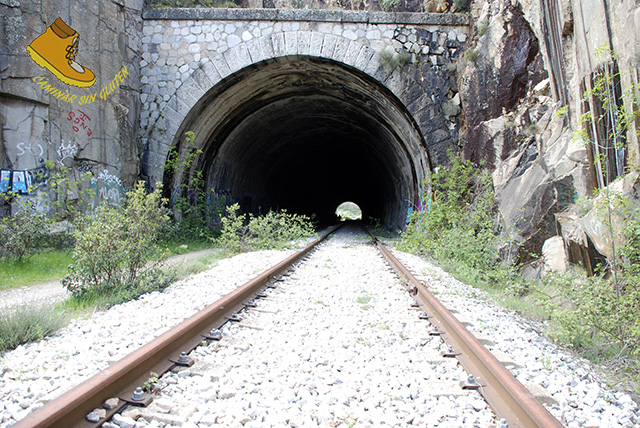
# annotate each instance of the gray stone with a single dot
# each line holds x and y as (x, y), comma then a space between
(554, 255)
(123, 421)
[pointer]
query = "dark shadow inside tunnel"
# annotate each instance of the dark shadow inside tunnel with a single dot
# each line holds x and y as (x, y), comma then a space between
(305, 134)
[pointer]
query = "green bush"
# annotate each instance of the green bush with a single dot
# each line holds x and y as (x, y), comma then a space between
(391, 60)
(461, 5)
(23, 234)
(472, 55)
(591, 317)
(273, 230)
(278, 229)
(234, 233)
(389, 5)
(198, 210)
(115, 250)
(595, 315)
(28, 324)
(458, 229)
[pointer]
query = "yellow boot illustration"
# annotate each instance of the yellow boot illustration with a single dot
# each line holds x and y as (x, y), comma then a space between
(56, 51)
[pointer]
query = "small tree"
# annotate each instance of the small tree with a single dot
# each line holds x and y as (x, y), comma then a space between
(22, 234)
(116, 249)
(200, 208)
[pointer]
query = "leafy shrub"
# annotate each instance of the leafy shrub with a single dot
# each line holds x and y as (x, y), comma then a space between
(591, 317)
(594, 314)
(234, 233)
(483, 28)
(391, 60)
(278, 229)
(22, 234)
(71, 196)
(272, 230)
(198, 210)
(28, 324)
(389, 5)
(458, 229)
(472, 55)
(461, 5)
(116, 251)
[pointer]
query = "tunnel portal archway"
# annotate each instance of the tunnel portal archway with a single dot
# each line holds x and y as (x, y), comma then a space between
(305, 133)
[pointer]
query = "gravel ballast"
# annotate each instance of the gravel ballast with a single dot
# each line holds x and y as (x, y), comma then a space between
(336, 343)
(344, 348)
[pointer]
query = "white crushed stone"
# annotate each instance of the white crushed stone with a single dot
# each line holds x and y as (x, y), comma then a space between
(39, 372)
(345, 346)
(376, 348)
(573, 393)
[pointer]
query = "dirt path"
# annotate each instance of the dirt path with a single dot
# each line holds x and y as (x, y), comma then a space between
(52, 291)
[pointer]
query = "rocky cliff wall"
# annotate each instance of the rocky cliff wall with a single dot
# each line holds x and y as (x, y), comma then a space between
(70, 101)
(523, 81)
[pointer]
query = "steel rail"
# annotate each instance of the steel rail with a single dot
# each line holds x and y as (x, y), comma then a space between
(158, 356)
(508, 398)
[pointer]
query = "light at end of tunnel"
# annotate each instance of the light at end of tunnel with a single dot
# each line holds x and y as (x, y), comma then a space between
(349, 211)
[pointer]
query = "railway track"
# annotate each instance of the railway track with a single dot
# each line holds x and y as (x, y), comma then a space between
(393, 340)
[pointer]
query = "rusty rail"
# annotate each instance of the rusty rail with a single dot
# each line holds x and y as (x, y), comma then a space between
(508, 398)
(121, 378)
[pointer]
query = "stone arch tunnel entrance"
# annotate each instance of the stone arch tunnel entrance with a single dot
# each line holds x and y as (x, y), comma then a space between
(305, 133)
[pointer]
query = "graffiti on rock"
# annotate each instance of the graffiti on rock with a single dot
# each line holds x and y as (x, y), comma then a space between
(115, 83)
(30, 148)
(84, 166)
(68, 151)
(79, 120)
(107, 187)
(15, 181)
(109, 89)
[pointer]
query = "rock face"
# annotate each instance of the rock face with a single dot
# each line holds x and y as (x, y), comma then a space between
(57, 119)
(523, 81)
(505, 63)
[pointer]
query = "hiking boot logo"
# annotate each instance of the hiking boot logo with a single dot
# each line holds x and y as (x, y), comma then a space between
(56, 50)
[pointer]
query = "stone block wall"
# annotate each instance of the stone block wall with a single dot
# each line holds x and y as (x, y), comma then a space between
(200, 47)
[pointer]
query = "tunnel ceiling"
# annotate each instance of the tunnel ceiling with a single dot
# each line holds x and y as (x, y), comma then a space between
(307, 134)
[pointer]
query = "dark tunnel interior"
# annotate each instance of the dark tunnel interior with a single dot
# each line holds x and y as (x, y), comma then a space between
(307, 134)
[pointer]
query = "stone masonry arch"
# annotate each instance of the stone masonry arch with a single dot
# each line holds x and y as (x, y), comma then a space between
(338, 65)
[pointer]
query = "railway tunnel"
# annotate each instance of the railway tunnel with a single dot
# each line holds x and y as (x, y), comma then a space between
(305, 134)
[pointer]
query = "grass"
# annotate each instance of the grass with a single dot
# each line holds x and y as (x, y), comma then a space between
(28, 324)
(51, 265)
(191, 267)
(364, 301)
(39, 268)
(177, 247)
(32, 323)
(201, 264)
